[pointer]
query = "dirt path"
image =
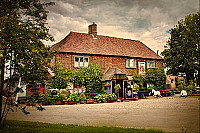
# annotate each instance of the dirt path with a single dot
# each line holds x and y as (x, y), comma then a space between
(172, 114)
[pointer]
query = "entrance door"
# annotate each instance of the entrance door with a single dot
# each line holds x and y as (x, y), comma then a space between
(119, 81)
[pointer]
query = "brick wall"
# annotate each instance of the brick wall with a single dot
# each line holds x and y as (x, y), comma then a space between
(105, 62)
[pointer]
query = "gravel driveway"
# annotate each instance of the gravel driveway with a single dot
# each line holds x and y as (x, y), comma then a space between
(171, 114)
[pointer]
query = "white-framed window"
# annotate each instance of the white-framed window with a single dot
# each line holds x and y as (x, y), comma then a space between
(81, 61)
(151, 64)
(130, 63)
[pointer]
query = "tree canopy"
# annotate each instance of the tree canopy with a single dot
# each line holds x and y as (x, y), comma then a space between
(183, 53)
(22, 30)
(60, 80)
(90, 77)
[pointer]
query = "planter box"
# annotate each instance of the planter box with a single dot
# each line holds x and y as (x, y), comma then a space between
(72, 102)
(90, 101)
(59, 103)
(111, 101)
(47, 103)
(30, 104)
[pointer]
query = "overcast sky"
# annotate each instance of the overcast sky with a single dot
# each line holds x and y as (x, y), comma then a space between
(144, 20)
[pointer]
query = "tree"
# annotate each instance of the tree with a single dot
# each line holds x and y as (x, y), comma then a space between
(183, 55)
(90, 77)
(22, 29)
(139, 79)
(60, 80)
(157, 77)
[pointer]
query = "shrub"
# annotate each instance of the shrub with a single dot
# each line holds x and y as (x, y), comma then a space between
(73, 97)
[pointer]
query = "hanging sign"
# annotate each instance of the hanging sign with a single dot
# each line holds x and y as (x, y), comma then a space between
(141, 67)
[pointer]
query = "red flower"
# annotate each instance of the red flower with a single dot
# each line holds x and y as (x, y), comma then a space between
(6, 47)
(122, 99)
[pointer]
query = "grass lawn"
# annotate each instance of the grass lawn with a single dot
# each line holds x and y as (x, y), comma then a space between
(36, 127)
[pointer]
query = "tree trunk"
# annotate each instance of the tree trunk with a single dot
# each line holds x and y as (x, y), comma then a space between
(1, 89)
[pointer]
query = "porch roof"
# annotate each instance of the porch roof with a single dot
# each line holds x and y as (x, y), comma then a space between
(108, 75)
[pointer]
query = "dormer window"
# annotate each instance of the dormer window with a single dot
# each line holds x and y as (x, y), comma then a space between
(81, 61)
(130, 63)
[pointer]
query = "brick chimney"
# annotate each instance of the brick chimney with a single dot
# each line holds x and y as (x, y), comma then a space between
(92, 30)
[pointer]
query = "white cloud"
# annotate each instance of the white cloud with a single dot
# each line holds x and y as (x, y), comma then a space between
(146, 21)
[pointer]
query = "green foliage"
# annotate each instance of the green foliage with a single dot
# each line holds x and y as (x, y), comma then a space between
(82, 97)
(117, 87)
(181, 85)
(60, 80)
(139, 79)
(30, 127)
(151, 88)
(46, 98)
(112, 96)
(101, 98)
(157, 77)
(22, 29)
(60, 97)
(136, 87)
(190, 87)
(90, 77)
(184, 48)
(22, 32)
(73, 97)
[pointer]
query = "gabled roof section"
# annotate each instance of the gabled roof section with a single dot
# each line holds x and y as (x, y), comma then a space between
(104, 45)
(108, 75)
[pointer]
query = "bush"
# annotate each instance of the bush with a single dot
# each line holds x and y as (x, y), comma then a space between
(73, 97)
(101, 98)
(82, 97)
(112, 97)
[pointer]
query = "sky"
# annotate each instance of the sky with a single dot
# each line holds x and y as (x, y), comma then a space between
(145, 20)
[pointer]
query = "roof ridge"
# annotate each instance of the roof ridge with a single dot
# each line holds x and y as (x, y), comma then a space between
(106, 36)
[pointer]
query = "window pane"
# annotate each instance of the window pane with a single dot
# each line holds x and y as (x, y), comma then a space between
(81, 61)
(131, 63)
(86, 62)
(76, 62)
(127, 63)
(151, 64)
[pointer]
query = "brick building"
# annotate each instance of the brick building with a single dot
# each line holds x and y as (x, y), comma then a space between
(119, 58)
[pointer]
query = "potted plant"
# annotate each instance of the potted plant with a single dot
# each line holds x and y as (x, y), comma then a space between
(82, 98)
(45, 99)
(101, 98)
(60, 98)
(73, 99)
(111, 97)
(31, 101)
(117, 87)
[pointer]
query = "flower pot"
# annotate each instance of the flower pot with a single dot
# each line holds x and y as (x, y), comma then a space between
(110, 101)
(72, 102)
(30, 104)
(118, 100)
(47, 103)
(90, 101)
(134, 98)
(59, 103)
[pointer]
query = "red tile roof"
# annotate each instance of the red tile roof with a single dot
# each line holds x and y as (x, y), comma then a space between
(104, 45)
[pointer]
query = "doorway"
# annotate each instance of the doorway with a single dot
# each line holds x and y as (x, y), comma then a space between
(119, 81)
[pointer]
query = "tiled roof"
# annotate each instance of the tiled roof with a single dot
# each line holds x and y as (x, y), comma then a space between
(108, 75)
(104, 45)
